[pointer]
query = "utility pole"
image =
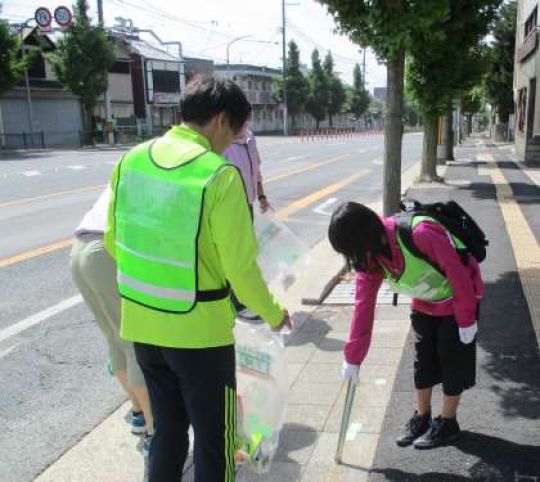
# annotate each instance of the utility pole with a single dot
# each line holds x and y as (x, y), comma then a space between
(364, 70)
(100, 12)
(29, 100)
(106, 95)
(284, 40)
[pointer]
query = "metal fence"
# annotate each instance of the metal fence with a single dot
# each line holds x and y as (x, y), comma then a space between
(55, 139)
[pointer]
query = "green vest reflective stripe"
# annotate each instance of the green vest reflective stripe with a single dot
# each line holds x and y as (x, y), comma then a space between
(419, 279)
(158, 209)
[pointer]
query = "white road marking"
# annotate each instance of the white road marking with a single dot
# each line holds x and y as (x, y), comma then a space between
(76, 168)
(380, 381)
(43, 315)
(378, 162)
(321, 209)
(353, 430)
(31, 173)
(294, 158)
(7, 351)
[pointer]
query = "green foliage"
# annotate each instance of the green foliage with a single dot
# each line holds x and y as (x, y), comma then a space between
(83, 57)
(500, 78)
(387, 26)
(451, 59)
(336, 89)
(473, 101)
(359, 98)
(319, 92)
(297, 84)
(12, 64)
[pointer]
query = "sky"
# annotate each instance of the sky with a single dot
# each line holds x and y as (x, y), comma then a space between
(205, 27)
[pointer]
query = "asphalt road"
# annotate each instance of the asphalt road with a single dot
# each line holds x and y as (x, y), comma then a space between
(52, 358)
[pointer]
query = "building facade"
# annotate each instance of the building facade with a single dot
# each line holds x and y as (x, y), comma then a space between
(256, 82)
(38, 112)
(526, 72)
(145, 85)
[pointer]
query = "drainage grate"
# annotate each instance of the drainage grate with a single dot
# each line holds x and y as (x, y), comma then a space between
(343, 294)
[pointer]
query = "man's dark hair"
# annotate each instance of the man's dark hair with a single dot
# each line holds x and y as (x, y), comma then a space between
(356, 232)
(207, 96)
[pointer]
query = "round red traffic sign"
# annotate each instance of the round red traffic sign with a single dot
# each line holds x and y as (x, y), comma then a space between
(43, 17)
(63, 16)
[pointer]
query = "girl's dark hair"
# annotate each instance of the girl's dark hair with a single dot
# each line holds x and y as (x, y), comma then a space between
(207, 96)
(356, 232)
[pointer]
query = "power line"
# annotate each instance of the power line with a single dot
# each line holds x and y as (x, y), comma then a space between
(321, 47)
(170, 17)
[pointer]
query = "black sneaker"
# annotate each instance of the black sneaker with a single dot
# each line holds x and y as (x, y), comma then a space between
(414, 428)
(442, 432)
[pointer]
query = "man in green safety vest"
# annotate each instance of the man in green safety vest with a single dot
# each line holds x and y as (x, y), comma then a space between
(180, 230)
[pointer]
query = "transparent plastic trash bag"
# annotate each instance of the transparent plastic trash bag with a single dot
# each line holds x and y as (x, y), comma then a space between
(282, 254)
(262, 388)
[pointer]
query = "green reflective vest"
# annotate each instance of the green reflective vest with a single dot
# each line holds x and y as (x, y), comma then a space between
(419, 279)
(158, 209)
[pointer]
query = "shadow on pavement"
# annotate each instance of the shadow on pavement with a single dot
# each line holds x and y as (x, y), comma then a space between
(512, 360)
(499, 460)
(23, 155)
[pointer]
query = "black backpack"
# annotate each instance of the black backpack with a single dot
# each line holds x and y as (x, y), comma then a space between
(455, 220)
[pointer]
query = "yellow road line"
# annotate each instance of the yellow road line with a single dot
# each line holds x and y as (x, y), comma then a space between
(278, 177)
(282, 214)
(51, 195)
(524, 243)
(304, 202)
(34, 253)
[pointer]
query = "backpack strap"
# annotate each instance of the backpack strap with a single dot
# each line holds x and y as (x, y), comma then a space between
(405, 231)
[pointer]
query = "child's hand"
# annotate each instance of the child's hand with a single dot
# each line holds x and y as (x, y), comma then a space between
(350, 372)
(466, 335)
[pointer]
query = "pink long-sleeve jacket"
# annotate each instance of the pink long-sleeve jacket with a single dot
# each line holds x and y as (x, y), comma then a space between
(434, 241)
(243, 153)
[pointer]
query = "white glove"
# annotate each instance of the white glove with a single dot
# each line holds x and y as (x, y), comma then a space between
(350, 372)
(466, 335)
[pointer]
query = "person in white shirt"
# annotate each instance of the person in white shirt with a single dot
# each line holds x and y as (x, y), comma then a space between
(94, 273)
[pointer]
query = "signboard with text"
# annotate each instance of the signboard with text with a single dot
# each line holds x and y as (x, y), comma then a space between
(166, 97)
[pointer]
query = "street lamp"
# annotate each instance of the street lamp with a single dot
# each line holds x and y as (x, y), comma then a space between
(250, 40)
(233, 41)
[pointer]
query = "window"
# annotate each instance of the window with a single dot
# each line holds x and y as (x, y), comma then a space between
(166, 81)
(120, 67)
(530, 24)
(521, 109)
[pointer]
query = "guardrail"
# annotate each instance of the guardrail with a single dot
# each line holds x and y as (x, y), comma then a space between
(55, 139)
(312, 135)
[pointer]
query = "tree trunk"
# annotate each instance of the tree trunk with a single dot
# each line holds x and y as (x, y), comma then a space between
(2, 136)
(393, 134)
(330, 120)
(429, 150)
(317, 123)
(88, 126)
(448, 136)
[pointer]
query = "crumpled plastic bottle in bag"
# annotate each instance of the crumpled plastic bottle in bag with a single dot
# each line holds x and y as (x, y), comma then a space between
(262, 388)
(282, 254)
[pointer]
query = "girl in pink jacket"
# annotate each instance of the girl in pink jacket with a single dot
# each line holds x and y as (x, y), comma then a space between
(446, 293)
